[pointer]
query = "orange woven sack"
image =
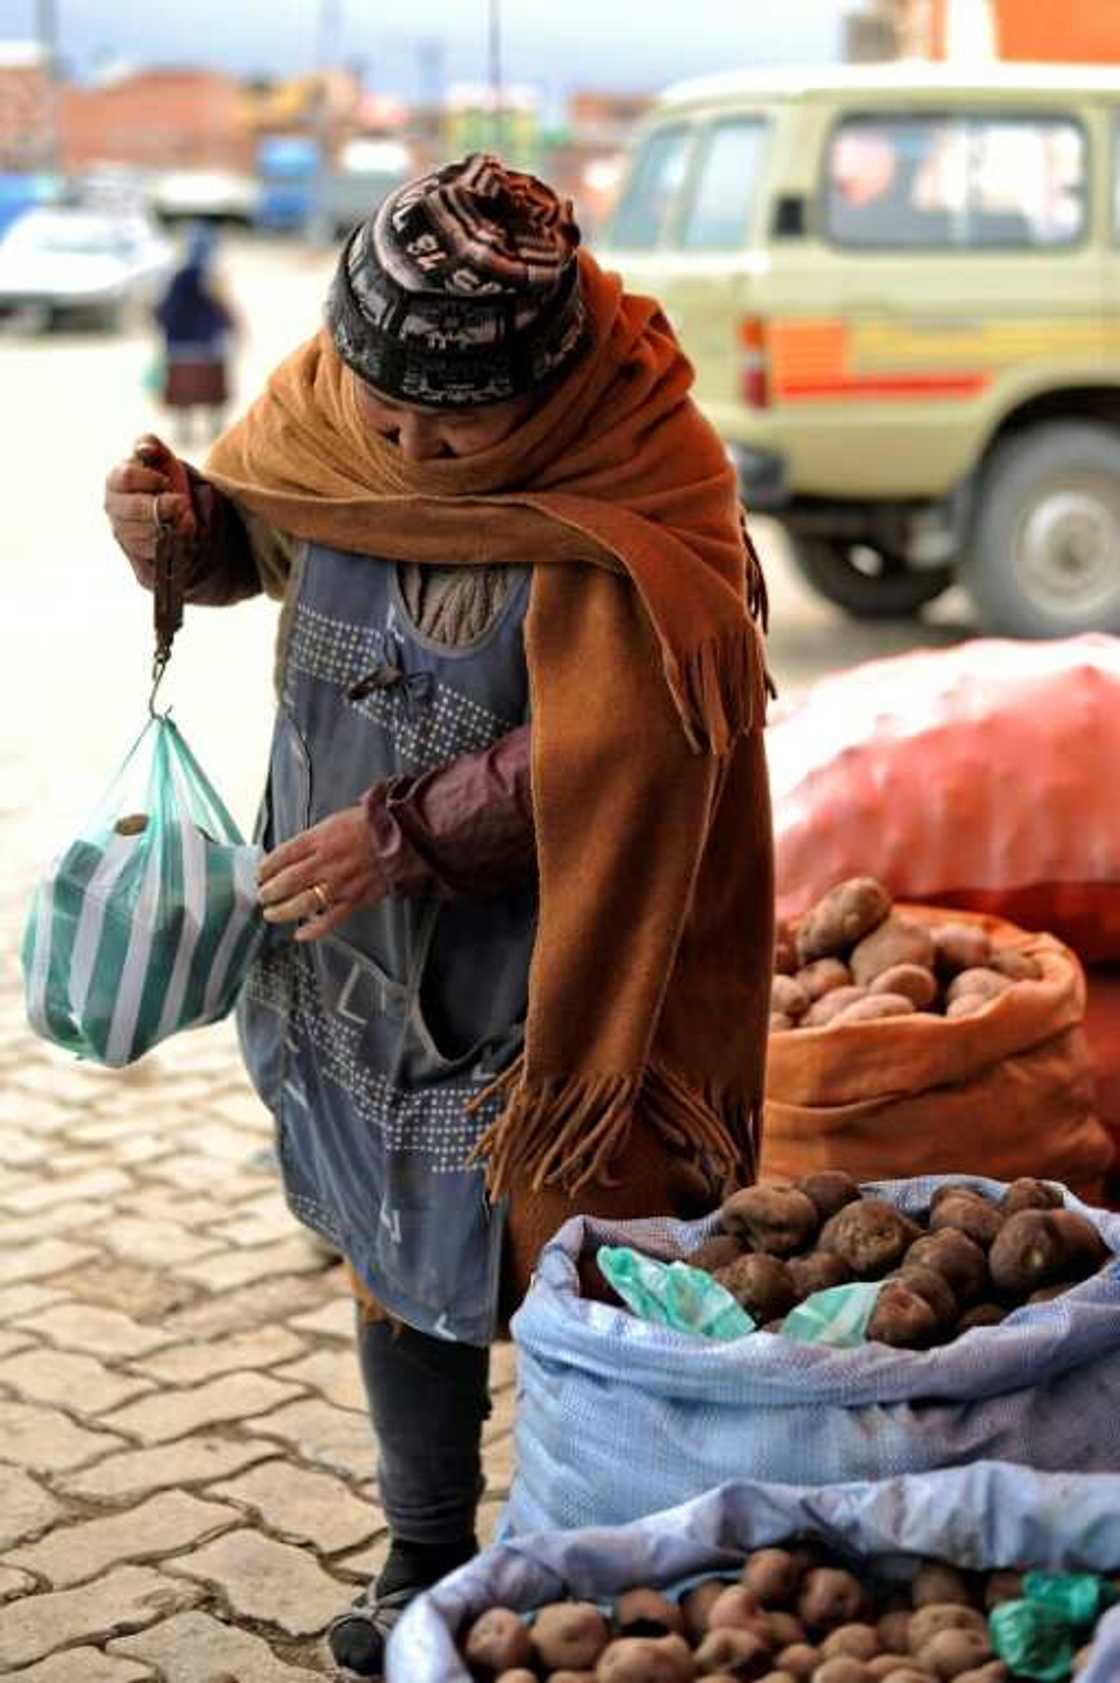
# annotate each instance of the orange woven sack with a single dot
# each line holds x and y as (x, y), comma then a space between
(983, 776)
(1004, 1093)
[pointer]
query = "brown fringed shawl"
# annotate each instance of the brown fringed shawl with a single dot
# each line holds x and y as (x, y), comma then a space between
(649, 983)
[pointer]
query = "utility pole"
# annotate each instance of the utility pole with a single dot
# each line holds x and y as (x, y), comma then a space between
(46, 28)
(496, 91)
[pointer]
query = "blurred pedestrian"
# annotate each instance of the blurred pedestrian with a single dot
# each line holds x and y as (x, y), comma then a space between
(197, 325)
(517, 836)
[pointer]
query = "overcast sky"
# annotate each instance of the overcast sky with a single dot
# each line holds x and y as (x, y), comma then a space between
(555, 44)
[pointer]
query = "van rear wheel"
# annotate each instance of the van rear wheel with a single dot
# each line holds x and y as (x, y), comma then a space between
(1044, 558)
(866, 582)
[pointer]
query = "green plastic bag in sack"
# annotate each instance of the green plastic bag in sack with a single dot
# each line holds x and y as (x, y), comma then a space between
(147, 922)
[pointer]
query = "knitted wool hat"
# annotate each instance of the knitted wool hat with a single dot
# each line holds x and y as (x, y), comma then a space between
(462, 289)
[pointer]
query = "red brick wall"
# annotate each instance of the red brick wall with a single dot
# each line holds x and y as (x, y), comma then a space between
(157, 120)
(24, 117)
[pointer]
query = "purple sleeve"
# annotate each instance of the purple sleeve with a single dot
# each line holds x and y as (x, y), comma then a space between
(224, 570)
(464, 829)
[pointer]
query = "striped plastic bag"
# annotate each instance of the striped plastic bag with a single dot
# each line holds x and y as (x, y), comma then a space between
(147, 922)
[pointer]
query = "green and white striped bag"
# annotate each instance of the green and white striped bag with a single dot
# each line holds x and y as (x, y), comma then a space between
(147, 922)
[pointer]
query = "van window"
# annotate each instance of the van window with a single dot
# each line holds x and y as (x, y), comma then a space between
(655, 179)
(969, 182)
(725, 188)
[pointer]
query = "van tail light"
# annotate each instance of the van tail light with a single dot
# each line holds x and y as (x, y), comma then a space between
(754, 362)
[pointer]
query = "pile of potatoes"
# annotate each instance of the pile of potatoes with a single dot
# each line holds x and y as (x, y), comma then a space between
(968, 1265)
(796, 1615)
(854, 959)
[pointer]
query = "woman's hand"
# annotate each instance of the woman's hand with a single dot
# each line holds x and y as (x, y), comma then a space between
(137, 492)
(322, 876)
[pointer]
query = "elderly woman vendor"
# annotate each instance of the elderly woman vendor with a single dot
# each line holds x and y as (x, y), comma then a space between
(516, 827)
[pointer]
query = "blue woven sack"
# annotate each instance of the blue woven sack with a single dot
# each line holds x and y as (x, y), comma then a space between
(983, 1517)
(1042, 1389)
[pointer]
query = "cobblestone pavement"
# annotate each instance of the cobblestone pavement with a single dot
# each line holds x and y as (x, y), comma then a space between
(186, 1469)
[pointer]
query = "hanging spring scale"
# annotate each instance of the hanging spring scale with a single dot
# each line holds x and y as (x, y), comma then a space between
(174, 554)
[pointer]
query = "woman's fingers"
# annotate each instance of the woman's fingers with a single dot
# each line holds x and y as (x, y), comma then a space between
(318, 926)
(134, 476)
(283, 858)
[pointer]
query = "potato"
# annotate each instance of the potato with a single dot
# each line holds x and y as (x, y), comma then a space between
(643, 1612)
(983, 1315)
(903, 1319)
(779, 1023)
(825, 976)
(894, 1632)
(842, 1669)
(855, 1642)
(1085, 1245)
(763, 1286)
(569, 1634)
(1017, 966)
(872, 1237)
(774, 1577)
(888, 1665)
(524, 1675)
(915, 983)
(989, 984)
(929, 1622)
(952, 1651)
(957, 1257)
(937, 1583)
(775, 1677)
(715, 1252)
(785, 949)
(778, 1220)
(1029, 1252)
(829, 1598)
(696, 1604)
(967, 1005)
(846, 915)
(564, 1676)
(497, 1641)
(817, 1272)
(736, 1608)
(800, 1661)
(1028, 1194)
(789, 996)
(823, 1011)
(645, 1659)
(969, 1214)
(910, 1674)
(829, 1190)
(994, 1672)
(874, 1008)
(897, 941)
(1001, 1587)
(960, 946)
(738, 1652)
(785, 1630)
(935, 1290)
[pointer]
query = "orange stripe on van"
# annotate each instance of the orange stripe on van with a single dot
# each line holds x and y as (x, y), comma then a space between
(811, 361)
(886, 386)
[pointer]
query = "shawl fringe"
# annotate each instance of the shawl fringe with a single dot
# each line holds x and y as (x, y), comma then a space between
(568, 1131)
(720, 690)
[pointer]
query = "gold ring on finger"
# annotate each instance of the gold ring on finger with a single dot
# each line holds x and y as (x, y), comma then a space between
(322, 898)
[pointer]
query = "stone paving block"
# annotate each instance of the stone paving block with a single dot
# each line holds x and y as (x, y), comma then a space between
(498, 1463)
(162, 1525)
(138, 1472)
(165, 1203)
(109, 1281)
(13, 1180)
(79, 1383)
(334, 1373)
(230, 1269)
(157, 1419)
(17, 1149)
(46, 1224)
(489, 1513)
(83, 1665)
(227, 1144)
(322, 1435)
(190, 1364)
(25, 1508)
(195, 1648)
(503, 1410)
(13, 1583)
(46, 1441)
(302, 1507)
(503, 1366)
(35, 1114)
(194, 1172)
(39, 1262)
(154, 1244)
(17, 1301)
(261, 1579)
(125, 1600)
(69, 1083)
(258, 1221)
(240, 1106)
(11, 1341)
(98, 1185)
(253, 1306)
(98, 1332)
(333, 1320)
(364, 1566)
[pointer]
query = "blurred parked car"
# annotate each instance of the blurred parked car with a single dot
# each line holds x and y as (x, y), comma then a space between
(190, 194)
(900, 285)
(63, 262)
(367, 172)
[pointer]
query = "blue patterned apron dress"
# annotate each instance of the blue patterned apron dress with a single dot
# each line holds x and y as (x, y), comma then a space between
(367, 1045)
